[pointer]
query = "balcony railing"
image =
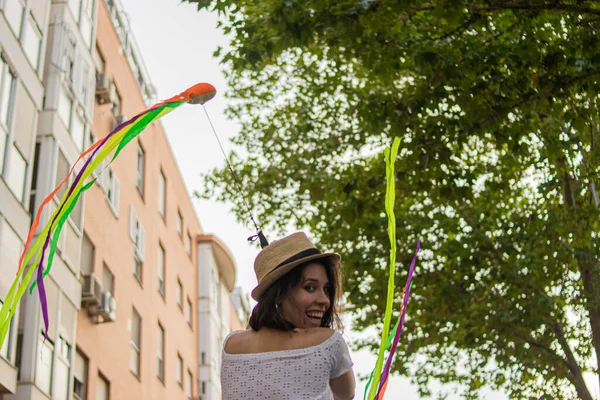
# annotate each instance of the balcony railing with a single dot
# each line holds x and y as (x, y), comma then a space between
(120, 21)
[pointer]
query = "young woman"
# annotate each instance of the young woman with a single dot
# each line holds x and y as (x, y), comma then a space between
(291, 350)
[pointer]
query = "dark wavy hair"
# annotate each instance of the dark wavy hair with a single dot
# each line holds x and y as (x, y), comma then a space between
(268, 314)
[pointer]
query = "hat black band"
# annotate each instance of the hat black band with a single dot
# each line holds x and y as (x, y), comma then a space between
(298, 256)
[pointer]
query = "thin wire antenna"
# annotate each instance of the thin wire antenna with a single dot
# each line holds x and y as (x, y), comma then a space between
(259, 235)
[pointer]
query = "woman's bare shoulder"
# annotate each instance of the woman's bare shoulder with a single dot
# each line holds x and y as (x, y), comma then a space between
(265, 340)
(315, 336)
(238, 343)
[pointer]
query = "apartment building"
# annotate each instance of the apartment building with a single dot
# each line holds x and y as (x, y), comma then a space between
(23, 37)
(138, 241)
(124, 293)
(222, 308)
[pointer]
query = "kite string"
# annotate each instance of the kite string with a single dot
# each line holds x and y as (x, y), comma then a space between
(235, 177)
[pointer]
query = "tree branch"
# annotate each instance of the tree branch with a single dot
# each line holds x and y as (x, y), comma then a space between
(533, 343)
(554, 6)
(540, 96)
(462, 27)
(588, 265)
(576, 376)
(588, 21)
(587, 166)
(537, 7)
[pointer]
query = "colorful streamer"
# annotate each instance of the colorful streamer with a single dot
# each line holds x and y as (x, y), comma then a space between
(387, 347)
(390, 198)
(405, 295)
(48, 237)
(377, 384)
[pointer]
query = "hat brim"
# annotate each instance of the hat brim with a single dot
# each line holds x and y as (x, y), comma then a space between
(274, 275)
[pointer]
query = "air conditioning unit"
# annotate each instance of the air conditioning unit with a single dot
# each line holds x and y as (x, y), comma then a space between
(103, 86)
(108, 308)
(91, 291)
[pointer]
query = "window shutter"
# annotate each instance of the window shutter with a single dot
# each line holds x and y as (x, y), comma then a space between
(59, 44)
(78, 60)
(142, 246)
(91, 93)
(116, 192)
(105, 174)
(132, 223)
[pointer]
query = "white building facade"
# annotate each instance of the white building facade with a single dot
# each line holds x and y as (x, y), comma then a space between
(217, 313)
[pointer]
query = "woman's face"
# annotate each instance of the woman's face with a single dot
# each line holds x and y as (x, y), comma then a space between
(309, 300)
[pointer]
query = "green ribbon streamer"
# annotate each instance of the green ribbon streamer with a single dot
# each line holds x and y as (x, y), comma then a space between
(390, 155)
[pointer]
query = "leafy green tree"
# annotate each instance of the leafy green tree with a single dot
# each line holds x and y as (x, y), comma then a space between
(497, 107)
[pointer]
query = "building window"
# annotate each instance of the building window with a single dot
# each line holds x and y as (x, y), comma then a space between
(86, 22)
(62, 170)
(179, 294)
(10, 251)
(179, 372)
(75, 6)
(24, 117)
(73, 117)
(16, 173)
(4, 350)
(160, 349)
(179, 223)
(44, 373)
(80, 376)
(188, 384)
(69, 60)
(138, 267)
(203, 391)
(162, 194)
(108, 280)
(3, 139)
(60, 388)
(32, 42)
(7, 83)
(136, 232)
(87, 255)
(140, 169)
(102, 388)
(78, 129)
(188, 312)
(34, 176)
(136, 337)
(113, 190)
(161, 270)
(108, 181)
(65, 107)
(13, 11)
(188, 243)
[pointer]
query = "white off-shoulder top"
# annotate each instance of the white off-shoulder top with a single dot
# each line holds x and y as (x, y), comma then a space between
(298, 374)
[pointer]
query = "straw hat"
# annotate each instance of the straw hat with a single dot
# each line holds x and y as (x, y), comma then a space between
(282, 255)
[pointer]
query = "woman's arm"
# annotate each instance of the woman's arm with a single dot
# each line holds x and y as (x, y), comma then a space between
(343, 386)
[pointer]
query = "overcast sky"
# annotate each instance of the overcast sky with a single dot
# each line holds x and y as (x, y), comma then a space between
(177, 43)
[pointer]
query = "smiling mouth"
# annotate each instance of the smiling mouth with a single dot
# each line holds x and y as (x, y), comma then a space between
(315, 316)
